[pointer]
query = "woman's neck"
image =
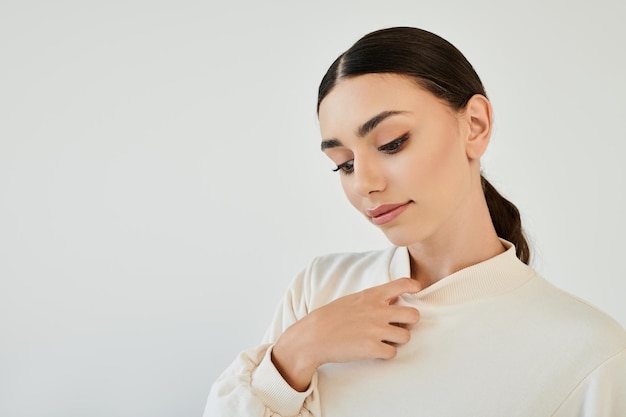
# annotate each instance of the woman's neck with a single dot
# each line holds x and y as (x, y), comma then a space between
(465, 241)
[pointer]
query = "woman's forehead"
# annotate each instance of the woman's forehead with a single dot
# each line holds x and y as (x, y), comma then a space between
(355, 100)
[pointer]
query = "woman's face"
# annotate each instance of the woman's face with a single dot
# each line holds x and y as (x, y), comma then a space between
(401, 154)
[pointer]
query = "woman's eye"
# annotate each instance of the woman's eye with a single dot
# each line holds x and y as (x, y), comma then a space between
(395, 145)
(347, 167)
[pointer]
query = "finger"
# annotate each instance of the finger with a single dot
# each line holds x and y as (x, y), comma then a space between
(385, 350)
(398, 314)
(403, 315)
(392, 290)
(396, 335)
(408, 326)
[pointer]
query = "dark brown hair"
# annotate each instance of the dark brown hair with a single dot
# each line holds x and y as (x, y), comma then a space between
(439, 67)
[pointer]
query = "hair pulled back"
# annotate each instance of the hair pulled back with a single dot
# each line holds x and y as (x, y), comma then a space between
(440, 68)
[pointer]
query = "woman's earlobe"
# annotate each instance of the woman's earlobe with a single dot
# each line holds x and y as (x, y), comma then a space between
(478, 113)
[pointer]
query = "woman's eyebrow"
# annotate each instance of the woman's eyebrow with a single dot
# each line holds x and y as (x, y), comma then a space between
(364, 129)
(371, 124)
(331, 143)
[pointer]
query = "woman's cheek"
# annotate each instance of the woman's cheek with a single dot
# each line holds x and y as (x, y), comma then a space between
(350, 194)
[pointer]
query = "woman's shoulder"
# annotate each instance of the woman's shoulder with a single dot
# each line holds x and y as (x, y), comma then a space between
(573, 316)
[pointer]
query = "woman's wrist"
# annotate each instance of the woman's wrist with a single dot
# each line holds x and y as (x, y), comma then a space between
(294, 365)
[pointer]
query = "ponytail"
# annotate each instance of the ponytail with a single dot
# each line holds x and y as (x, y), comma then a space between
(506, 219)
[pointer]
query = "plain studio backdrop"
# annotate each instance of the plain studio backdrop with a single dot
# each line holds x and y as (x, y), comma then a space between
(161, 181)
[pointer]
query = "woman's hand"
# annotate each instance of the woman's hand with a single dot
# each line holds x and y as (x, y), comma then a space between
(364, 325)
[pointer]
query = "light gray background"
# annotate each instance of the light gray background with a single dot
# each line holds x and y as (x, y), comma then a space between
(161, 180)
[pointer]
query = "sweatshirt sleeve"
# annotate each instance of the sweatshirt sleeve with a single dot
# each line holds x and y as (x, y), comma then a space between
(252, 386)
(601, 394)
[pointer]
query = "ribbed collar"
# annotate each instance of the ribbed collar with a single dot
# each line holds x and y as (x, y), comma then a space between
(497, 275)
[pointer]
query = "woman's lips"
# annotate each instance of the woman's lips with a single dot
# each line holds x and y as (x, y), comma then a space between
(386, 212)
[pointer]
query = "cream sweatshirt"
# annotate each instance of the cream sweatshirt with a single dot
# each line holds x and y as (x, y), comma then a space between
(494, 340)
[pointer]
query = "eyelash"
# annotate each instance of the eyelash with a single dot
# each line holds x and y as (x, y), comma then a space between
(395, 145)
(390, 148)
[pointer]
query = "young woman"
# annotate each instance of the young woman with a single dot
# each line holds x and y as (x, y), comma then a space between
(450, 320)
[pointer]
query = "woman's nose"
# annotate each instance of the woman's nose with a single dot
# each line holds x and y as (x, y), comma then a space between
(368, 176)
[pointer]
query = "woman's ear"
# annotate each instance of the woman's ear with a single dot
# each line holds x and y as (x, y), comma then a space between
(478, 116)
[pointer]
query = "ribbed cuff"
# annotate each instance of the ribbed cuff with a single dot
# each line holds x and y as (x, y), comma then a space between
(275, 392)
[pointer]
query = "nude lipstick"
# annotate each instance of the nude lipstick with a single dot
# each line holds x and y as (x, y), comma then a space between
(386, 212)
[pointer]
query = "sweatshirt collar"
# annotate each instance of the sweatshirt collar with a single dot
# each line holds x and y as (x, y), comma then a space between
(497, 275)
